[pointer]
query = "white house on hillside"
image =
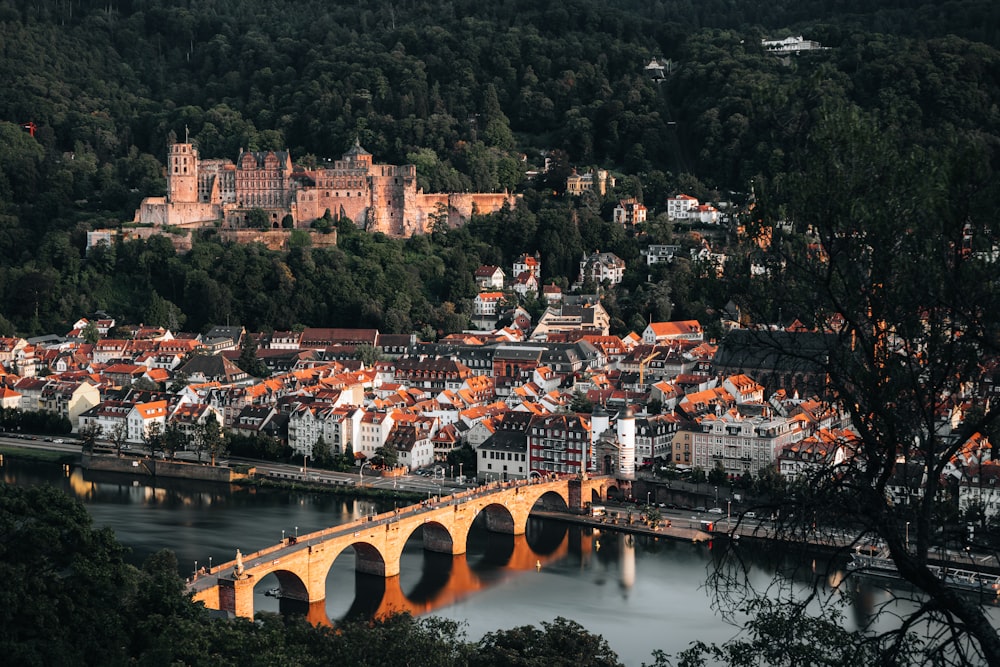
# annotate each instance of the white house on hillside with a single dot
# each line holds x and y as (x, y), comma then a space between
(602, 266)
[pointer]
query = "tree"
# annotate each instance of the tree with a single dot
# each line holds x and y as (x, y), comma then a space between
(346, 461)
(581, 403)
(560, 643)
(462, 460)
(387, 455)
(882, 257)
(717, 475)
(152, 437)
(90, 334)
(119, 436)
(249, 361)
(173, 439)
(210, 438)
(57, 565)
(89, 433)
(368, 354)
(780, 635)
(257, 219)
(321, 454)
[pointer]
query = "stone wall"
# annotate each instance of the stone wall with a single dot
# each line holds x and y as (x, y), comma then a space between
(276, 239)
(149, 467)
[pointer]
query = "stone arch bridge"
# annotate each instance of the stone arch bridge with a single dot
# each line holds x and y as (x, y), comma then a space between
(301, 564)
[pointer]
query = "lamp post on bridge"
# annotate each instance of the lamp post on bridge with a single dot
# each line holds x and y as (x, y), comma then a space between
(282, 535)
(361, 474)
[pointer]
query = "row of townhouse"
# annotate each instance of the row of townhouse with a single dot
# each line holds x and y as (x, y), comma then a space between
(134, 419)
(524, 444)
(435, 391)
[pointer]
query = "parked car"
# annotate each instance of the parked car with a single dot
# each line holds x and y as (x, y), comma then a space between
(715, 510)
(749, 515)
(699, 509)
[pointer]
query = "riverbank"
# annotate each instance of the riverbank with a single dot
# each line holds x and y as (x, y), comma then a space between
(664, 529)
(316, 486)
(148, 466)
(36, 454)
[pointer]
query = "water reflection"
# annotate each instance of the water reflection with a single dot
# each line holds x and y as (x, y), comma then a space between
(428, 580)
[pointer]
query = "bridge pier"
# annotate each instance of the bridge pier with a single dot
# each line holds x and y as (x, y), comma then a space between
(369, 560)
(236, 596)
(503, 522)
(436, 538)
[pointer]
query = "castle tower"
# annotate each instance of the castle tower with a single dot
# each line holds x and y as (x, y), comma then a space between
(182, 173)
(626, 443)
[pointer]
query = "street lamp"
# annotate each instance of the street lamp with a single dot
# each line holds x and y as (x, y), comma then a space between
(209, 563)
(716, 496)
(361, 474)
(282, 534)
(460, 464)
(647, 498)
(907, 535)
(296, 532)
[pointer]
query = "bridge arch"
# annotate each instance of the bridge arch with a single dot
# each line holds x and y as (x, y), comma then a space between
(438, 538)
(499, 518)
(368, 558)
(552, 500)
(291, 584)
(435, 536)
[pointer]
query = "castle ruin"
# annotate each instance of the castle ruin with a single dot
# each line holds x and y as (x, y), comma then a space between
(377, 197)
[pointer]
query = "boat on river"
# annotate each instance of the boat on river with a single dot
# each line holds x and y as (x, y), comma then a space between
(876, 562)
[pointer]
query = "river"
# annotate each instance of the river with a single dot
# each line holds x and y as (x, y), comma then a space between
(641, 594)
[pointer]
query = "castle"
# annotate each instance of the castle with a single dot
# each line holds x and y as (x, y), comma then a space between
(377, 197)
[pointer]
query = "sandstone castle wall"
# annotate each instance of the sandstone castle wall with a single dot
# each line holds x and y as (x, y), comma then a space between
(376, 197)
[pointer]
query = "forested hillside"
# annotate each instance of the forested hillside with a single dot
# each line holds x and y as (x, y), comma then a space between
(473, 94)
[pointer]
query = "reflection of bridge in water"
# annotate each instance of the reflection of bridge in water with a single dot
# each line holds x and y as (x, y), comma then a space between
(453, 579)
(301, 564)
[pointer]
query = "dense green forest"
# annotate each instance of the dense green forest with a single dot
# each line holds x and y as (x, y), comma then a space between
(472, 93)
